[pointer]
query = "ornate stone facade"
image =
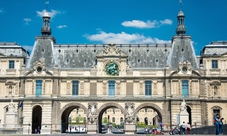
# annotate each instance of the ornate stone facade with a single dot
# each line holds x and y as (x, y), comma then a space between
(58, 78)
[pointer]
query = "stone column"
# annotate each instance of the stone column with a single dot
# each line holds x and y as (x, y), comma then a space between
(92, 118)
(130, 126)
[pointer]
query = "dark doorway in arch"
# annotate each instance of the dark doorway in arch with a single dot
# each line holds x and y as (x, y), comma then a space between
(190, 115)
(112, 118)
(74, 120)
(36, 118)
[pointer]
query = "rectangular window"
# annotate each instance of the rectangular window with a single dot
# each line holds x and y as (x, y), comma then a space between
(111, 89)
(214, 63)
(11, 64)
(185, 88)
(75, 88)
(148, 88)
(39, 87)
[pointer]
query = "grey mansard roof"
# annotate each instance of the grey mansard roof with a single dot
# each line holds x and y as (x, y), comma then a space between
(73, 56)
(139, 55)
(215, 48)
(12, 49)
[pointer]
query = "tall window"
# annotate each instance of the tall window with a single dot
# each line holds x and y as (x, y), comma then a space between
(185, 88)
(214, 63)
(148, 88)
(75, 88)
(113, 120)
(111, 88)
(38, 87)
(11, 64)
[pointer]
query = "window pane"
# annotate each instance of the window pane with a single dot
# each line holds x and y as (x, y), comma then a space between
(111, 89)
(185, 88)
(214, 64)
(39, 87)
(75, 88)
(148, 88)
(11, 64)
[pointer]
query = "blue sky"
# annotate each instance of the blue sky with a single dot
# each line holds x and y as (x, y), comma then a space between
(117, 21)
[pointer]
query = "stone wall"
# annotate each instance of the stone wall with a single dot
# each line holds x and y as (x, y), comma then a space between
(211, 130)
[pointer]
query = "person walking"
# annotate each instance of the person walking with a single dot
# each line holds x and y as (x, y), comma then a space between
(221, 126)
(188, 127)
(183, 127)
(217, 123)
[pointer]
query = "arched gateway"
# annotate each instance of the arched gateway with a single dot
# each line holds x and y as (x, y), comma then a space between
(94, 114)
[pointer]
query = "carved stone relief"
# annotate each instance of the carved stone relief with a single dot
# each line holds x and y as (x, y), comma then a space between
(92, 115)
(129, 107)
(118, 87)
(68, 88)
(104, 87)
(82, 88)
(141, 92)
(155, 88)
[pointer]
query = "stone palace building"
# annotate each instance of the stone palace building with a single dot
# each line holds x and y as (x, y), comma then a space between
(58, 78)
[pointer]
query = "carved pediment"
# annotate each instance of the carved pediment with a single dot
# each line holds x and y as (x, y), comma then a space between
(38, 67)
(112, 50)
(184, 67)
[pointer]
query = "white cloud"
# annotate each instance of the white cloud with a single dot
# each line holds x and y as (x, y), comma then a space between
(123, 38)
(166, 22)
(27, 20)
(61, 26)
(147, 24)
(52, 14)
(1, 10)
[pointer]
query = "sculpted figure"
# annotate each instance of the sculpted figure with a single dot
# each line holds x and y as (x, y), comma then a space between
(92, 115)
(129, 116)
(183, 106)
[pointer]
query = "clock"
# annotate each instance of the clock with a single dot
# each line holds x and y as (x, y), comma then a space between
(184, 69)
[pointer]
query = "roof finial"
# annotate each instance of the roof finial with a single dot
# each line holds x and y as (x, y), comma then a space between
(46, 3)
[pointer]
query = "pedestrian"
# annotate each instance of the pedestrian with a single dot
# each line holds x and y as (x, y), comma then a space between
(221, 126)
(217, 123)
(183, 127)
(188, 127)
(160, 125)
(35, 131)
(38, 130)
(70, 128)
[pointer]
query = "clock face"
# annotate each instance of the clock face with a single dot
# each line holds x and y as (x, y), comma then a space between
(112, 69)
(184, 69)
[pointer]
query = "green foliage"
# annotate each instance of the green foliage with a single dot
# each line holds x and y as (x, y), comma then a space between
(143, 125)
(105, 120)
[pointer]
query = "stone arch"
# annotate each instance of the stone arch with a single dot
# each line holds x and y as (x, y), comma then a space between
(74, 105)
(108, 105)
(104, 107)
(150, 105)
(65, 111)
